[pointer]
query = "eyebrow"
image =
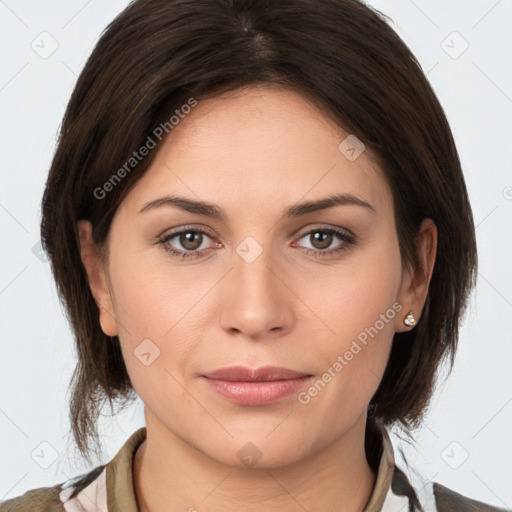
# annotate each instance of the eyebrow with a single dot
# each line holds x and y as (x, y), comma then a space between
(212, 210)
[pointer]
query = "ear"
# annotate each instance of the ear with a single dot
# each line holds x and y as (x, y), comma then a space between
(414, 287)
(96, 274)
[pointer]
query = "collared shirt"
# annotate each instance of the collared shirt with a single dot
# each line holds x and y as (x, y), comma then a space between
(109, 488)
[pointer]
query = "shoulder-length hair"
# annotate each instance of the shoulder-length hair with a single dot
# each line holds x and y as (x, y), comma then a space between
(155, 57)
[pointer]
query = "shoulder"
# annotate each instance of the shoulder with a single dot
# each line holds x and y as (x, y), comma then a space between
(43, 499)
(51, 499)
(448, 500)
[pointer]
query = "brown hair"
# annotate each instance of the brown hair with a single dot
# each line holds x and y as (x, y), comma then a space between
(344, 56)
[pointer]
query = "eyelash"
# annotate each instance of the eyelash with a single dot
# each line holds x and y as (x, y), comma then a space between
(345, 237)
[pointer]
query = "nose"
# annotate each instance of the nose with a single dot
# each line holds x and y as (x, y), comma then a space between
(256, 301)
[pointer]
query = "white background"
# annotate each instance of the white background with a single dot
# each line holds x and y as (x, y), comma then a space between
(471, 413)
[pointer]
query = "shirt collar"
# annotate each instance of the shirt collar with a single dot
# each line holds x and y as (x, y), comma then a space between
(392, 487)
(119, 473)
(385, 468)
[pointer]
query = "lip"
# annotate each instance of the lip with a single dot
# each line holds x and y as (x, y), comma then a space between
(259, 386)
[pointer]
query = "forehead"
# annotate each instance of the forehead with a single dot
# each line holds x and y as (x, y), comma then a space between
(258, 147)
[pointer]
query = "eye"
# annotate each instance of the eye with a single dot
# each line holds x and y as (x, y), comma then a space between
(323, 237)
(191, 241)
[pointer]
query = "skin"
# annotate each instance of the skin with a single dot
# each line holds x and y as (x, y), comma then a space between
(254, 153)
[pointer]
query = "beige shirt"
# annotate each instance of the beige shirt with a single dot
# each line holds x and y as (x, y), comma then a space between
(109, 487)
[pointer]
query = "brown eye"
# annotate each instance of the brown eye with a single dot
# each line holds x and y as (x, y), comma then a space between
(191, 240)
(321, 239)
(187, 243)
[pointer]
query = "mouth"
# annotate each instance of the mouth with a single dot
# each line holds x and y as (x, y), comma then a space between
(261, 386)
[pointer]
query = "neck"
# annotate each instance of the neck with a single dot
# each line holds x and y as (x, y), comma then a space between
(169, 474)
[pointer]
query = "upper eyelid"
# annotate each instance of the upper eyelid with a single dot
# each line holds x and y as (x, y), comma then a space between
(201, 229)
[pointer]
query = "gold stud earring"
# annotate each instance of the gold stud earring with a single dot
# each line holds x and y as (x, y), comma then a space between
(409, 320)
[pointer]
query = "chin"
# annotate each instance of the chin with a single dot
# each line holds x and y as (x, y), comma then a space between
(260, 453)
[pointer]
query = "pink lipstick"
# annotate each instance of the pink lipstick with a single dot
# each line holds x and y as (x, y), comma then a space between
(261, 386)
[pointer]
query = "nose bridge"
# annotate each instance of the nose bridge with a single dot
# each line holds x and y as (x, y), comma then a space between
(256, 297)
(254, 263)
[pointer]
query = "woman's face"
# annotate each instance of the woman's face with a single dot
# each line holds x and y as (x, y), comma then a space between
(258, 287)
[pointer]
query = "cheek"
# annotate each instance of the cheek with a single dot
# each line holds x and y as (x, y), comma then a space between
(151, 296)
(352, 360)
(151, 306)
(155, 340)
(353, 295)
(358, 311)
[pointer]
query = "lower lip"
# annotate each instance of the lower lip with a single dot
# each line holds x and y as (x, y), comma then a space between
(256, 393)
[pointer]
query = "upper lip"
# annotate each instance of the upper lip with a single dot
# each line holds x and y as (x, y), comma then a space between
(245, 374)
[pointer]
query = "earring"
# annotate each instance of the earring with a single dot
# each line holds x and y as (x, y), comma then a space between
(409, 320)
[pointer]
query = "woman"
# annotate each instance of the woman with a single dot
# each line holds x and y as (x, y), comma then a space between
(257, 220)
